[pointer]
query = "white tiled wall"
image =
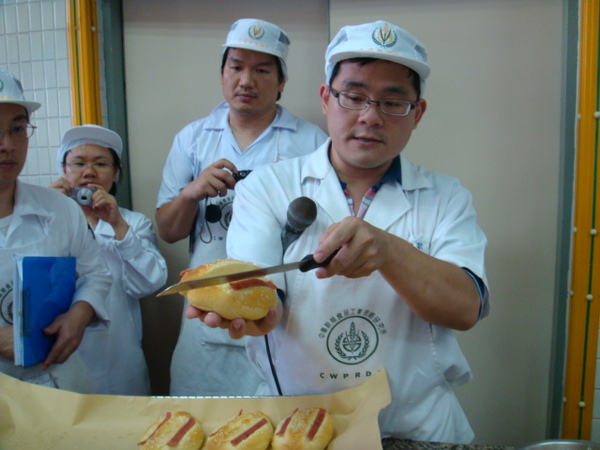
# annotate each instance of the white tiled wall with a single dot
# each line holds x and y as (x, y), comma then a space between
(33, 46)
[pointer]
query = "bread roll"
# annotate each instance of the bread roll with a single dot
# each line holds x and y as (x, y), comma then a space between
(174, 431)
(304, 429)
(249, 299)
(246, 431)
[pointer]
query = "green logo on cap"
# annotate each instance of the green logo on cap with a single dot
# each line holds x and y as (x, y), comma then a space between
(256, 31)
(384, 36)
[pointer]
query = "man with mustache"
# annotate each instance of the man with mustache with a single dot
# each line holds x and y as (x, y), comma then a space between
(249, 129)
(409, 267)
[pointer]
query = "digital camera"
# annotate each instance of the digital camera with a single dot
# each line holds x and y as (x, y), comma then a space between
(241, 175)
(82, 195)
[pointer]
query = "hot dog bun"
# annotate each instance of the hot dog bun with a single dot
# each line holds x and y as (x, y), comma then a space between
(246, 431)
(304, 429)
(249, 299)
(174, 431)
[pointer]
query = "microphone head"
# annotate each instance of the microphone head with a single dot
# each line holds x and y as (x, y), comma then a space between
(301, 213)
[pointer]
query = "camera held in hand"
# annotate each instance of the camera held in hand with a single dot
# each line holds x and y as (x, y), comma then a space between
(241, 175)
(82, 195)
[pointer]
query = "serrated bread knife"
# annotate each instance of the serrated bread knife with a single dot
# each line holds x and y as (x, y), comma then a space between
(307, 263)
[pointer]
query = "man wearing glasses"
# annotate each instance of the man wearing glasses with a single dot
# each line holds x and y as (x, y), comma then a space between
(37, 221)
(410, 262)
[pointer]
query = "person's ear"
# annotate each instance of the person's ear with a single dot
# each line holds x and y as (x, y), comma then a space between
(324, 93)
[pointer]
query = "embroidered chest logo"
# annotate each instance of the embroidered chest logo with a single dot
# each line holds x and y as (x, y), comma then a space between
(384, 37)
(352, 345)
(352, 336)
(6, 303)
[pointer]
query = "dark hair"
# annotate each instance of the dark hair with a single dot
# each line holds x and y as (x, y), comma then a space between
(117, 166)
(119, 169)
(280, 75)
(361, 61)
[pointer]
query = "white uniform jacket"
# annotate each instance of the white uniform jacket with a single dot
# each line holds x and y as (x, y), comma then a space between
(114, 355)
(337, 332)
(198, 366)
(46, 223)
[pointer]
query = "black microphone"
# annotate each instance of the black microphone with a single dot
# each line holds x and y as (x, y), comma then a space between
(301, 213)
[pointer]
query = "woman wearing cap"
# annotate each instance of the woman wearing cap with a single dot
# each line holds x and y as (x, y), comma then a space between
(89, 162)
(36, 221)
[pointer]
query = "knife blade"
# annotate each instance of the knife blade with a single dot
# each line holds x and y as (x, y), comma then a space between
(305, 264)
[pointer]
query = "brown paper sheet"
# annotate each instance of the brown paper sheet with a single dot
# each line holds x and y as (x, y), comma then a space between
(33, 417)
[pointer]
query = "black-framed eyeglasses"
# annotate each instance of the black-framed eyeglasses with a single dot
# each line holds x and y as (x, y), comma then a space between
(18, 132)
(359, 102)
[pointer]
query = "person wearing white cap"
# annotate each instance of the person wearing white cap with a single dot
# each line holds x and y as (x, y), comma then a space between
(37, 221)
(409, 267)
(89, 158)
(249, 129)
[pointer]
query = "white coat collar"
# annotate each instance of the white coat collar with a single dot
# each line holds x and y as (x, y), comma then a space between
(26, 203)
(389, 204)
(28, 206)
(104, 229)
(413, 176)
(219, 118)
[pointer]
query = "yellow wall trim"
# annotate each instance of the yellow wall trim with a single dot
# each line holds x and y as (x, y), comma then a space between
(82, 34)
(584, 307)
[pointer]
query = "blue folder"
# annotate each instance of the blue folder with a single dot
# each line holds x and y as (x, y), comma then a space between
(46, 290)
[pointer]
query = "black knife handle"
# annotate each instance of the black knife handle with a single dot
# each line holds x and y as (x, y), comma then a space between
(310, 263)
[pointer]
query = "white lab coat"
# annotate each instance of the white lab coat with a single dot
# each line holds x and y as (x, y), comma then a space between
(337, 332)
(207, 361)
(114, 355)
(46, 223)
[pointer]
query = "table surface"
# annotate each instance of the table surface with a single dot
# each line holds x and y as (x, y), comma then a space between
(397, 444)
